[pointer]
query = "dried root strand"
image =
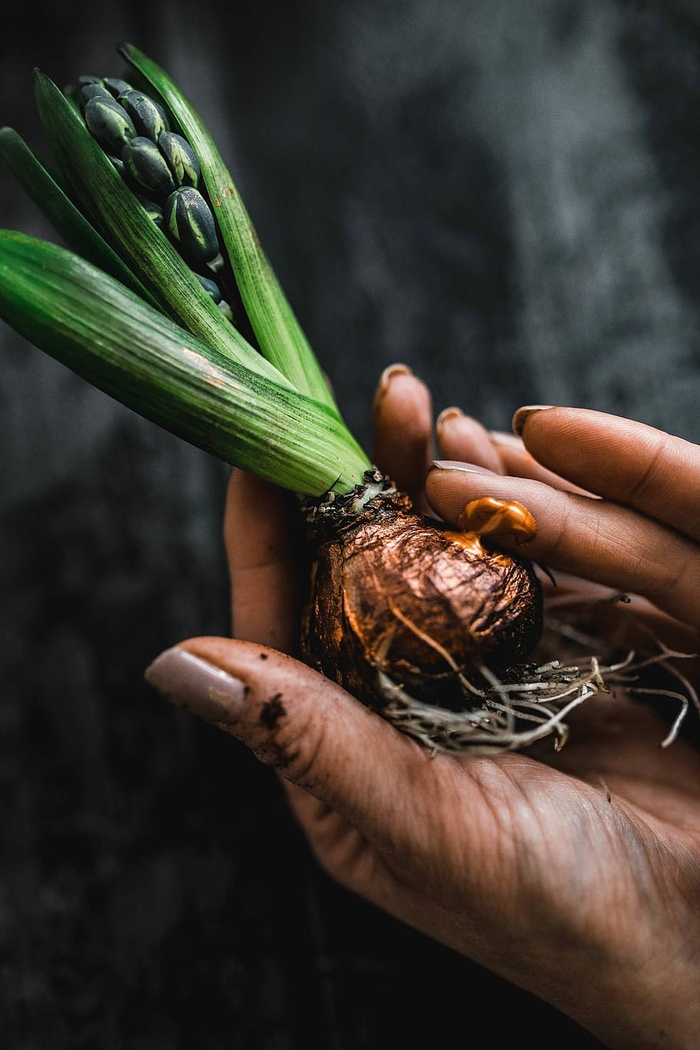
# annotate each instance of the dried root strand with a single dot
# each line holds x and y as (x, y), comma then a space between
(512, 715)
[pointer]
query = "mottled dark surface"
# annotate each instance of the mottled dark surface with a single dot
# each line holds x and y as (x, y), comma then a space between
(504, 196)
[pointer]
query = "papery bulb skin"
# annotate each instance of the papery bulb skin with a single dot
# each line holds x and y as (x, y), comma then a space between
(392, 592)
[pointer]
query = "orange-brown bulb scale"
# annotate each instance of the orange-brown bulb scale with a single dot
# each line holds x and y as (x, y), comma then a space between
(393, 592)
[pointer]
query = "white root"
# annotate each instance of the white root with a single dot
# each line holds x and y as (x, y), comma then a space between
(512, 715)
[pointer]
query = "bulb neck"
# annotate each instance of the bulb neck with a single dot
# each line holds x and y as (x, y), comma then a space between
(333, 515)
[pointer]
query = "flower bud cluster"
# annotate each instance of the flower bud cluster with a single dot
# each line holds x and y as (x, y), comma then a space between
(161, 168)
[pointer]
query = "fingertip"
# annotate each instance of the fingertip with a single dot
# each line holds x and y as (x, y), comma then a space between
(451, 412)
(217, 679)
(390, 373)
(402, 428)
(187, 679)
(294, 719)
(461, 437)
(402, 396)
(522, 414)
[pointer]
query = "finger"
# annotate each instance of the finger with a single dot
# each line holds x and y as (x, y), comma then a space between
(262, 566)
(302, 724)
(591, 538)
(357, 766)
(519, 462)
(402, 430)
(462, 437)
(620, 459)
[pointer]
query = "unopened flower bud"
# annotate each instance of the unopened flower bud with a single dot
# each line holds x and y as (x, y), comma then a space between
(181, 158)
(116, 85)
(146, 167)
(90, 90)
(148, 116)
(190, 223)
(211, 288)
(109, 122)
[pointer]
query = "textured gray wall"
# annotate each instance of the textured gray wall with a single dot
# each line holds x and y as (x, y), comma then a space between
(505, 196)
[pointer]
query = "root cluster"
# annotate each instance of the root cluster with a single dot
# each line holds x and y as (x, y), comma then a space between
(535, 703)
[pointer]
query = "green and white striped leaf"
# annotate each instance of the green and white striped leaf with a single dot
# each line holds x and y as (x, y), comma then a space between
(109, 336)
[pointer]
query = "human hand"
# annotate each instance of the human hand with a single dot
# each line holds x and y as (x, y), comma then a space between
(615, 501)
(577, 879)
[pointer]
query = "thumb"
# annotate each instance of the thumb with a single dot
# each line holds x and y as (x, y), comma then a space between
(304, 725)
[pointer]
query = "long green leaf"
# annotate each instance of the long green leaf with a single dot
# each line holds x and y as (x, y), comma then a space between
(110, 337)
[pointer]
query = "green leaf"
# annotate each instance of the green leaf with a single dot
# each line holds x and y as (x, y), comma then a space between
(60, 211)
(277, 330)
(107, 335)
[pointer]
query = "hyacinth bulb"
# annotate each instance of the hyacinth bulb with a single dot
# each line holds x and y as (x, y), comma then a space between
(393, 596)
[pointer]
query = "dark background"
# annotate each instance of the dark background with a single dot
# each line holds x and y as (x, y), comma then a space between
(504, 196)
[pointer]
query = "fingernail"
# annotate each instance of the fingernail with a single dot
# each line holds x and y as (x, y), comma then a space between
(199, 687)
(386, 377)
(457, 465)
(448, 413)
(522, 415)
